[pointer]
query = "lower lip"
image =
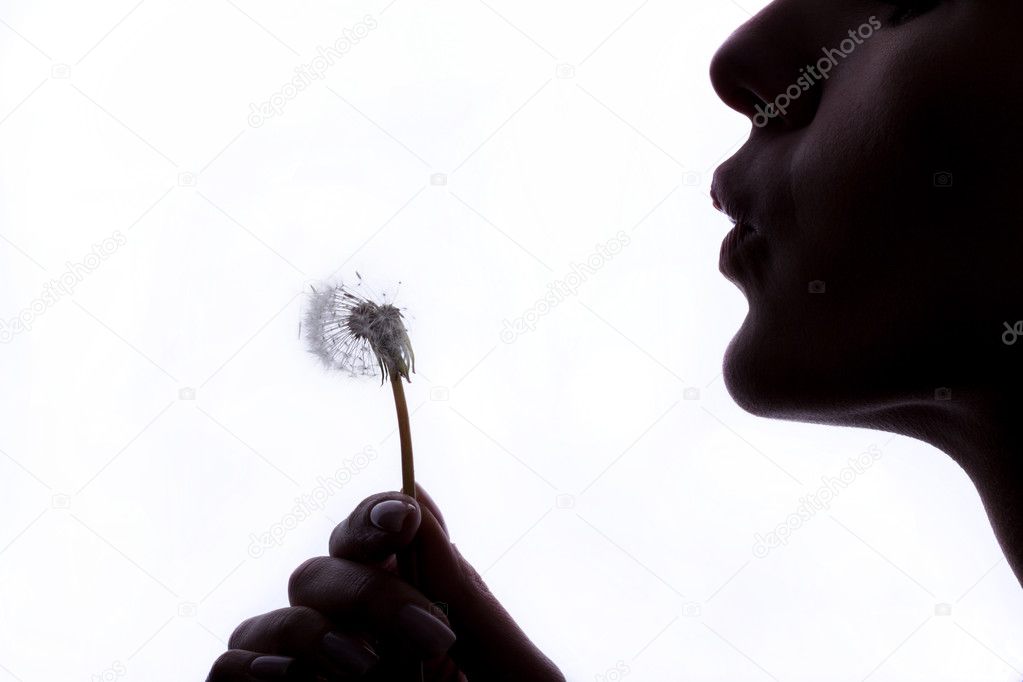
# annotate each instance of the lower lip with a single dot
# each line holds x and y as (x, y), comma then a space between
(735, 244)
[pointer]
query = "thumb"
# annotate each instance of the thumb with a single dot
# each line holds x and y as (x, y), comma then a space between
(489, 645)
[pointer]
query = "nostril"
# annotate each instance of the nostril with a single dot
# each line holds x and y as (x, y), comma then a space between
(757, 75)
(741, 97)
(777, 112)
(755, 104)
(762, 112)
(750, 101)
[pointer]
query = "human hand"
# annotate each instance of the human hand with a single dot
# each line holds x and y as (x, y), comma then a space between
(352, 617)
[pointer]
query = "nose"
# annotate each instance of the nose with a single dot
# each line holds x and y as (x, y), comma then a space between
(760, 71)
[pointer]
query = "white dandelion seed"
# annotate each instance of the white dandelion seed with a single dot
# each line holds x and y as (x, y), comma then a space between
(355, 334)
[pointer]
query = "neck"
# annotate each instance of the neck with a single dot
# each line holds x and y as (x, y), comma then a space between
(983, 432)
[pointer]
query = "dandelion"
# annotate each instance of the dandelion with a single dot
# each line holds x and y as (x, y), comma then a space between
(358, 335)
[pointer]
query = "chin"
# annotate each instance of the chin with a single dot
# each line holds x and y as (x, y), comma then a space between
(770, 376)
(748, 382)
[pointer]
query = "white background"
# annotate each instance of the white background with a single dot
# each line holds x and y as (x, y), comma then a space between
(614, 517)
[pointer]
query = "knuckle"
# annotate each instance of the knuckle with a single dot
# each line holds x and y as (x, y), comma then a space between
(334, 586)
(365, 586)
(242, 632)
(308, 573)
(269, 631)
(338, 537)
(300, 620)
(225, 666)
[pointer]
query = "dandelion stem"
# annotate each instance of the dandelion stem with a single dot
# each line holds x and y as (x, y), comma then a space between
(407, 568)
(408, 477)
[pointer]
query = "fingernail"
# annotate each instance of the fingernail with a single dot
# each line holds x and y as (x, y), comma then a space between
(390, 515)
(428, 633)
(347, 653)
(270, 667)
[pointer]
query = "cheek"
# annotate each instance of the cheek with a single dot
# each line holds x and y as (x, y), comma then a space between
(862, 190)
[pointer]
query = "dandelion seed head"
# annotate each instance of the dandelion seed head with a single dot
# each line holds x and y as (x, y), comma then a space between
(353, 333)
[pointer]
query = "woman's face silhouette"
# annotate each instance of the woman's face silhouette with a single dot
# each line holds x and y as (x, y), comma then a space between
(885, 255)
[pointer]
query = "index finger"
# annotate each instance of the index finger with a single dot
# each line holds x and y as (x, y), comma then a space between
(378, 527)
